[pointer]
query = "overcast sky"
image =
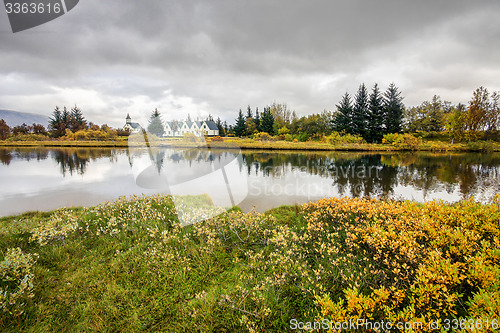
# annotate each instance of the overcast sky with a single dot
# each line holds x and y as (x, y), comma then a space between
(116, 57)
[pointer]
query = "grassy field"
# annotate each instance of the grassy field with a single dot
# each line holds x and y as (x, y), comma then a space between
(128, 266)
(248, 143)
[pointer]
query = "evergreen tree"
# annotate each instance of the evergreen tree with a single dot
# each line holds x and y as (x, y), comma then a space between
(342, 121)
(267, 121)
(257, 120)
(156, 124)
(220, 127)
(239, 128)
(393, 109)
(435, 114)
(66, 118)
(78, 122)
(375, 116)
(360, 112)
(56, 123)
(249, 113)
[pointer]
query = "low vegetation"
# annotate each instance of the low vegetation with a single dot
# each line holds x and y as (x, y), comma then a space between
(130, 266)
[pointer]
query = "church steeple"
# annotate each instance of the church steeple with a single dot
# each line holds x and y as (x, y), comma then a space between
(128, 119)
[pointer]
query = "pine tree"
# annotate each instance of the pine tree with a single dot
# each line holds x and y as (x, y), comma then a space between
(257, 120)
(267, 121)
(435, 114)
(249, 113)
(66, 118)
(342, 121)
(220, 127)
(56, 123)
(239, 128)
(78, 122)
(156, 124)
(360, 112)
(375, 116)
(393, 109)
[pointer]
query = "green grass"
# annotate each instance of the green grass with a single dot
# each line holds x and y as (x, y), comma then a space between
(127, 266)
(248, 143)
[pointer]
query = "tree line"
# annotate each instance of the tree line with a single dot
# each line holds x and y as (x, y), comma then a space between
(480, 118)
(372, 114)
(64, 123)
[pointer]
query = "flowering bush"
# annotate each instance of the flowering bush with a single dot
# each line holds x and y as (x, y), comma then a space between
(216, 138)
(336, 138)
(133, 215)
(406, 142)
(389, 138)
(336, 259)
(16, 280)
(262, 136)
(61, 224)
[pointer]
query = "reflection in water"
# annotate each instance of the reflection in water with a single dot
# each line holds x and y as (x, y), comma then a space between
(44, 178)
(76, 159)
(378, 175)
(27, 154)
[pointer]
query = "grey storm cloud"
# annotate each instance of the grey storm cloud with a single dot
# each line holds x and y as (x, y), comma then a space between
(200, 57)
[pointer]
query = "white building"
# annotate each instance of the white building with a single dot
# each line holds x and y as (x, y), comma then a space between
(130, 126)
(198, 128)
(179, 128)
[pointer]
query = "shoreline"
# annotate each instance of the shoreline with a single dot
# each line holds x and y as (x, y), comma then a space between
(244, 144)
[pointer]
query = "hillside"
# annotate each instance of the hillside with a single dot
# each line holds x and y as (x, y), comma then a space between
(14, 118)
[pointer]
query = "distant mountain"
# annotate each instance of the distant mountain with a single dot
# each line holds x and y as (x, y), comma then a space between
(14, 118)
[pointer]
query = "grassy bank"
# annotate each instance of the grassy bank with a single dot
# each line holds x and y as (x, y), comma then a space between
(247, 143)
(129, 266)
(428, 145)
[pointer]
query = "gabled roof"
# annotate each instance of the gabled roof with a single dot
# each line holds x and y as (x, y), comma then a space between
(134, 125)
(211, 125)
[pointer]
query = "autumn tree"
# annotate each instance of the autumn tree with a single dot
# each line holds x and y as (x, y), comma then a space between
(456, 122)
(39, 129)
(281, 114)
(4, 130)
(494, 113)
(478, 109)
(22, 129)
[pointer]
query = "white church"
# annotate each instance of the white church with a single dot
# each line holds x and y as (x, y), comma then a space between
(179, 128)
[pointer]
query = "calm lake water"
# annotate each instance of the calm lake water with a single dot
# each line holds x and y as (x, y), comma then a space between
(45, 179)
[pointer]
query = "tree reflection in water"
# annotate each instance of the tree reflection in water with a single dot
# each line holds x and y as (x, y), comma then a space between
(356, 174)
